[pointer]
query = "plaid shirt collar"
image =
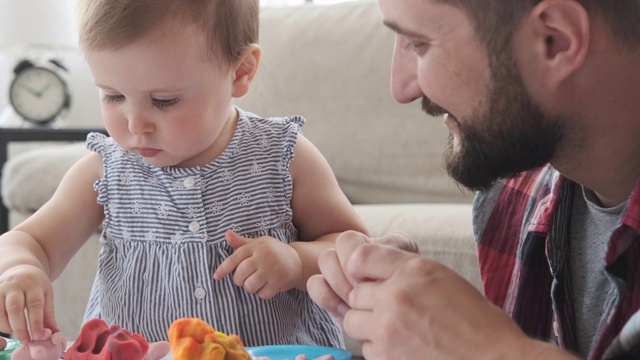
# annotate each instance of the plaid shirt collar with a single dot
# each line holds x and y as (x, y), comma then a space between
(522, 229)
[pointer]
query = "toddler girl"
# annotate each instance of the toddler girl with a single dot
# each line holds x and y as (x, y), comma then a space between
(207, 210)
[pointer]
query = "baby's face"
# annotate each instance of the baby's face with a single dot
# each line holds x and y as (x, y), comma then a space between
(164, 99)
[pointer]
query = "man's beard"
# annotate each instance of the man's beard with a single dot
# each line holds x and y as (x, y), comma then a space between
(510, 136)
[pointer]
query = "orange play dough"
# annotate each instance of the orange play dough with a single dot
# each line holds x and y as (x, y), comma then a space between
(194, 339)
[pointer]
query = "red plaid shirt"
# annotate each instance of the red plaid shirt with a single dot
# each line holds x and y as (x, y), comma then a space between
(522, 230)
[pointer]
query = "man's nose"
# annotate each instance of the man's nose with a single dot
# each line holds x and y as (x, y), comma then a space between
(405, 87)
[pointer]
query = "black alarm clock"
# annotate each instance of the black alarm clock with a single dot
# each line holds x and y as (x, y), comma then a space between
(39, 93)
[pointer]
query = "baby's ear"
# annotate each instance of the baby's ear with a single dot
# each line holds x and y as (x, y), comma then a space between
(246, 69)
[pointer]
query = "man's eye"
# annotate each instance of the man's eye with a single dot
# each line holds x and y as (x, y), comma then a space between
(415, 46)
(113, 98)
(165, 103)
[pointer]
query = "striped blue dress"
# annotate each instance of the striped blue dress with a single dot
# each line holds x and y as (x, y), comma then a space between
(163, 238)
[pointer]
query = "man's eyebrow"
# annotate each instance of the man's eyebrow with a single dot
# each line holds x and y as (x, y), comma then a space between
(397, 29)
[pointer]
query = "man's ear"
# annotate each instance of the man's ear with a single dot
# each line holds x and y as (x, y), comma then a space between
(561, 34)
(245, 69)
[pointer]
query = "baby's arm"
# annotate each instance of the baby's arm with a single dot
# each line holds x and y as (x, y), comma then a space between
(321, 211)
(267, 266)
(36, 251)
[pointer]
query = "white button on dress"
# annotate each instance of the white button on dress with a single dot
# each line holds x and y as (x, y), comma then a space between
(189, 182)
(199, 293)
(194, 226)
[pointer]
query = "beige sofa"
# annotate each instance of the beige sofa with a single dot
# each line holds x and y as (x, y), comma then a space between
(330, 64)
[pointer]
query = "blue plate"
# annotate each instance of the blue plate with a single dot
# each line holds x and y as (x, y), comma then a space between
(289, 352)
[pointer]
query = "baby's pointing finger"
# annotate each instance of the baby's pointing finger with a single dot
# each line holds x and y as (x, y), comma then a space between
(231, 263)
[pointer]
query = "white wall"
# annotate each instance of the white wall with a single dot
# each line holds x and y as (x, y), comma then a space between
(53, 23)
(41, 29)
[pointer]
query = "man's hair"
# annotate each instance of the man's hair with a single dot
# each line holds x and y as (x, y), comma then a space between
(228, 25)
(495, 20)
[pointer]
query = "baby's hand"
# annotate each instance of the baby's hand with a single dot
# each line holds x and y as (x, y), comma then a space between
(26, 287)
(265, 265)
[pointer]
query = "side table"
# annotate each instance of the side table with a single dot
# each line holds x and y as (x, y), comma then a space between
(8, 135)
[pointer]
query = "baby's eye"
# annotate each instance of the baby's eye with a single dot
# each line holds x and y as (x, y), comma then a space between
(112, 98)
(165, 103)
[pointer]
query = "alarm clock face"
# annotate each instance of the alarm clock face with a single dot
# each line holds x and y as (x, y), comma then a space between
(38, 94)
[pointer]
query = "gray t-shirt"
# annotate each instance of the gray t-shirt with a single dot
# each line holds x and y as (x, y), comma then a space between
(591, 229)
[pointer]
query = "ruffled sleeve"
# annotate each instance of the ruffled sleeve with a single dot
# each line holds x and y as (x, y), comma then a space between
(97, 142)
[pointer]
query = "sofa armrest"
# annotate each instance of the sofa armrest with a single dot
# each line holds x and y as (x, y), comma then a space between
(30, 178)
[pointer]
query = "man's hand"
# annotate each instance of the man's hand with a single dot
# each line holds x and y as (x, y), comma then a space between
(401, 305)
(331, 289)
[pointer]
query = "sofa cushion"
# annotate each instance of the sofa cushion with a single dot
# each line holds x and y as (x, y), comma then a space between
(30, 178)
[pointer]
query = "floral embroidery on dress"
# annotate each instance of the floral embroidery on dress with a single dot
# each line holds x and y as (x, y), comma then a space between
(262, 224)
(150, 236)
(136, 207)
(118, 153)
(192, 212)
(255, 169)
(215, 208)
(177, 185)
(163, 209)
(153, 181)
(243, 199)
(177, 237)
(264, 142)
(126, 178)
(112, 206)
(227, 176)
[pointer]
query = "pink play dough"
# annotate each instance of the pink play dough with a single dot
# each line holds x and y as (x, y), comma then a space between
(98, 341)
(3, 343)
(50, 348)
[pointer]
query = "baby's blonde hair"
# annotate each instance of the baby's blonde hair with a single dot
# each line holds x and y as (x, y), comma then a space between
(228, 25)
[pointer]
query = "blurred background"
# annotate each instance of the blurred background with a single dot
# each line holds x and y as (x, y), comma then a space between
(39, 30)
